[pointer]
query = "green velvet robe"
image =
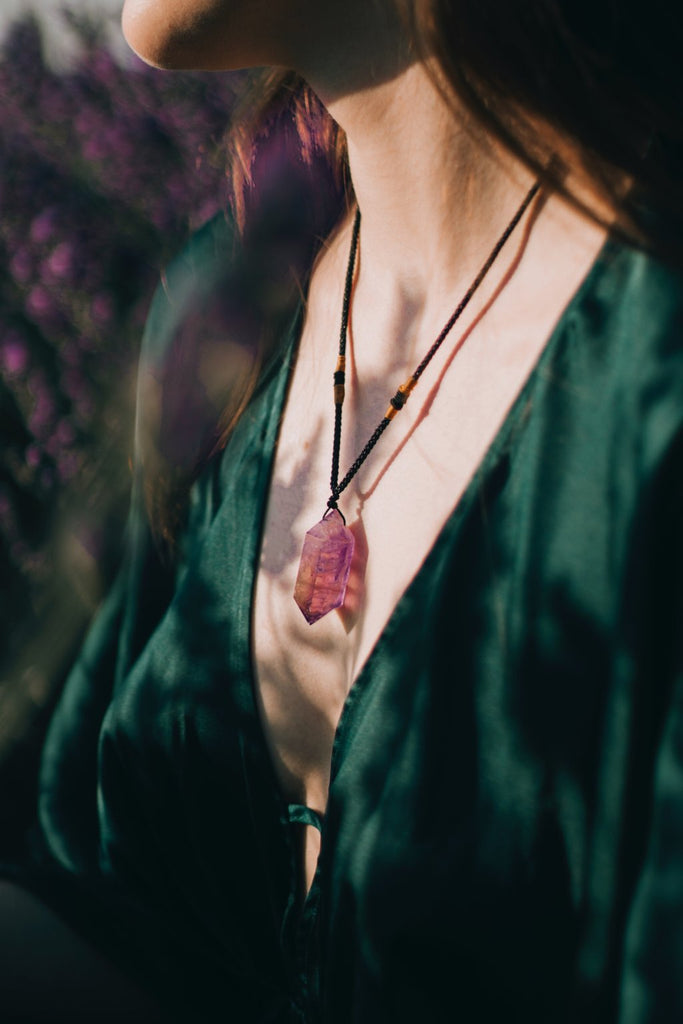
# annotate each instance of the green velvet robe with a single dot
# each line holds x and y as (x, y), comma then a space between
(504, 836)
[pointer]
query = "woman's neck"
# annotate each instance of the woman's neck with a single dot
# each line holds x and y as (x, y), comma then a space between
(434, 190)
(433, 193)
(434, 196)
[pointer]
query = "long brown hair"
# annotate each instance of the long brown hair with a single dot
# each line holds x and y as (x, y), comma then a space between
(225, 304)
(598, 81)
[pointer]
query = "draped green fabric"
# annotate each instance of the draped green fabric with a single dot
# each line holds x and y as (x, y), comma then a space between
(504, 836)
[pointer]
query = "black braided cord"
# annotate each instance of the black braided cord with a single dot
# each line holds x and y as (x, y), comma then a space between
(399, 400)
(339, 374)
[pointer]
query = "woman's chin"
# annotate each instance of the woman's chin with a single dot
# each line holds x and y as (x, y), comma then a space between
(144, 35)
(187, 35)
(165, 36)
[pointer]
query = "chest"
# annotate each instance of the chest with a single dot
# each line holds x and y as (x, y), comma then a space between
(397, 503)
(396, 507)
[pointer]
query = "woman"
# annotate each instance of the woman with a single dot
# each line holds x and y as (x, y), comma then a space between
(486, 733)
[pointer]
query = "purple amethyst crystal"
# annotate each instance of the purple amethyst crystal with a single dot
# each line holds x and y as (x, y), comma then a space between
(324, 567)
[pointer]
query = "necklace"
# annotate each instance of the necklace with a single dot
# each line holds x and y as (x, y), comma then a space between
(328, 546)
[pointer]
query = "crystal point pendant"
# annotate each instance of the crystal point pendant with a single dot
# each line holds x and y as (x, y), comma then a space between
(324, 567)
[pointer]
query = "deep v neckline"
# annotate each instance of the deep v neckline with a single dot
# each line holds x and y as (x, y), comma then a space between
(446, 535)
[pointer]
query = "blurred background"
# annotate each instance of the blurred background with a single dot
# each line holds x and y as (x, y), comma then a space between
(106, 167)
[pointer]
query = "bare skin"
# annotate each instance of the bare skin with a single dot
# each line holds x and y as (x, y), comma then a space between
(434, 196)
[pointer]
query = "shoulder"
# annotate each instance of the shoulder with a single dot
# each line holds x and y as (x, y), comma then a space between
(217, 305)
(236, 279)
(646, 324)
(626, 327)
(641, 301)
(187, 282)
(637, 311)
(192, 319)
(218, 310)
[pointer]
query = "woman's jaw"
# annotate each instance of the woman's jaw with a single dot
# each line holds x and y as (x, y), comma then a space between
(338, 46)
(211, 35)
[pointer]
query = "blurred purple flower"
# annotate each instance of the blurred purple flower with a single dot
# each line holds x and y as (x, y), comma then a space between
(65, 432)
(42, 415)
(74, 384)
(14, 354)
(22, 266)
(60, 262)
(42, 227)
(33, 456)
(102, 308)
(68, 464)
(40, 303)
(94, 148)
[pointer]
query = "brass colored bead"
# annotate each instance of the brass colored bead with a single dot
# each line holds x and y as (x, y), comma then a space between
(338, 394)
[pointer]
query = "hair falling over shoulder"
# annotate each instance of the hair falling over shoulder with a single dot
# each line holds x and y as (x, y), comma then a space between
(278, 97)
(288, 189)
